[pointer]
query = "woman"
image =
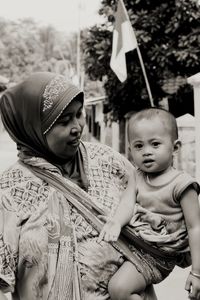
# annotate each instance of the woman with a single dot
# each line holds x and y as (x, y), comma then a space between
(51, 198)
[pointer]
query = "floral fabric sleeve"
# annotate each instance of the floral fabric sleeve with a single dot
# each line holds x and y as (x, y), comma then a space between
(9, 240)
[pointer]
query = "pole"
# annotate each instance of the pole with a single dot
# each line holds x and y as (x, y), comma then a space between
(141, 63)
(195, 82)
(145, 76)
(78, 64)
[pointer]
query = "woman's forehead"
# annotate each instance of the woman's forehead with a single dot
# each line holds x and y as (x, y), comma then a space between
(73, 106)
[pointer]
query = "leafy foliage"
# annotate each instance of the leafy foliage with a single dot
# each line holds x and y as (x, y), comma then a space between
(27, 47)
(168, 35)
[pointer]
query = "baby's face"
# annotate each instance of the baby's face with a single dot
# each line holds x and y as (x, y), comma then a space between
(151, 145)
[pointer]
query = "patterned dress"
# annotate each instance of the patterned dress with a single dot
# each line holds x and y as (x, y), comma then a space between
(28, 223)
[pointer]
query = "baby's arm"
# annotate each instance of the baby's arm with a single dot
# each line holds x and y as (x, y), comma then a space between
(191, 210)
(123, 214)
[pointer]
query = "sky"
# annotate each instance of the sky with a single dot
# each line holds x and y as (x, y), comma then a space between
(64, 15)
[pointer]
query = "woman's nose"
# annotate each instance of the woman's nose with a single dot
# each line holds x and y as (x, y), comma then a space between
(75, 131)
(76, 127)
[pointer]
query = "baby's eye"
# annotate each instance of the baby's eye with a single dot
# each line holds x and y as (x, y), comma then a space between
(138, 146)
(155, 144)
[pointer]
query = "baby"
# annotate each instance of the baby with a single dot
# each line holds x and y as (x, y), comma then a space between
(163, 213)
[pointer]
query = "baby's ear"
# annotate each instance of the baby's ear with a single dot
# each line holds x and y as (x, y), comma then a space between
(177, 146)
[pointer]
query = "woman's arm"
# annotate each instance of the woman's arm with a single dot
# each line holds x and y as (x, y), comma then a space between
(191, 211)
(9, 232)
(123, 213)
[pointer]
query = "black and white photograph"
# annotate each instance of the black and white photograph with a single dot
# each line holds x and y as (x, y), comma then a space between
(99, 150)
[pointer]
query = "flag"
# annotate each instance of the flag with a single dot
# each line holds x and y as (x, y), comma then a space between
(124, 40)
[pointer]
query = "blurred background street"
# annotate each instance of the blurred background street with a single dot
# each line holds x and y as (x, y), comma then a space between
(8, 153)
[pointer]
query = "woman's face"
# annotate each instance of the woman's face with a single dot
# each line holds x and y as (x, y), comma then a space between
(64, 137)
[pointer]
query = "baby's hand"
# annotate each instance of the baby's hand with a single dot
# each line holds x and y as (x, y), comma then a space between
(193, 287)
(110, 231)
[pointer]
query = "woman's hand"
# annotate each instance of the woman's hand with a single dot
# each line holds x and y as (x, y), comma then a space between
(193, 287)
(110, 231)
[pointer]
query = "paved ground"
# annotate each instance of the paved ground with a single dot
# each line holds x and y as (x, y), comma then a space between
(170, 289)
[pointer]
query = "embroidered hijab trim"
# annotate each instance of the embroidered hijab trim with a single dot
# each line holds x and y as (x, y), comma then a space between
(56, 86)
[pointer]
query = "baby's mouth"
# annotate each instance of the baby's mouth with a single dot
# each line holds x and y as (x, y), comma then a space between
(148, 162)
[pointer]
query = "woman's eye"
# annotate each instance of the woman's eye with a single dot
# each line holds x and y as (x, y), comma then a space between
(64, 122)
(80, 113)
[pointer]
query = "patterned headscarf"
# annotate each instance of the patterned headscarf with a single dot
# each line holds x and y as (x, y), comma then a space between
(29, 110)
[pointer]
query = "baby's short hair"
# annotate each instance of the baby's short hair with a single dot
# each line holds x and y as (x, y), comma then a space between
(165, 117)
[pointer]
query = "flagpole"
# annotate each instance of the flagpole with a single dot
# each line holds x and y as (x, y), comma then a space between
(125, 11)
(141, 63)
(145, 76)
(78, 59)
(124, 40)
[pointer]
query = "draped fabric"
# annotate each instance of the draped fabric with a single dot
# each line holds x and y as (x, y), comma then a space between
(35, 236)
(83, 203)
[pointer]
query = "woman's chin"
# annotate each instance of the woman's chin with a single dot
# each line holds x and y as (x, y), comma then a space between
(69, 154)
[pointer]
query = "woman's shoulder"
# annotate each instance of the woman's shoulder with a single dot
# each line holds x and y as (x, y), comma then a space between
(104, 154)
(16, 168)
(21, 191)
(99, 149)
(97, 146)
(15, 175)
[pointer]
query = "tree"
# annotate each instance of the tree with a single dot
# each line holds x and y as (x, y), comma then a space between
(26, 47)
(168, 34)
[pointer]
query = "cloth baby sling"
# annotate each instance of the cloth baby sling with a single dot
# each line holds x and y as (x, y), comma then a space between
(82, 201)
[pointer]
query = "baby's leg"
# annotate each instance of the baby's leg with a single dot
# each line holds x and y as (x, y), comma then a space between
(127, 283)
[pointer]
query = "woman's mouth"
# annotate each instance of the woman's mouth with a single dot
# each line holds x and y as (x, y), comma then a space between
(74, 142)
